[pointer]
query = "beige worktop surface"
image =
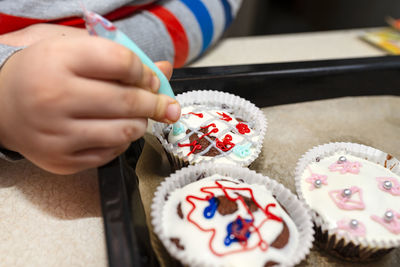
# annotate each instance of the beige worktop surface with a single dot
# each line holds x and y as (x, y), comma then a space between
(51, 220)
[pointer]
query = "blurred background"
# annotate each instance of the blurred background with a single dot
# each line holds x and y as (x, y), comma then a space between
(261, 17)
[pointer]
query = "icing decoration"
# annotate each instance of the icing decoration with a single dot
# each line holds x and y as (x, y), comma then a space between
(178, 128)
(389, 184)
(241, 228)
(345, 166)
(344, 198)
(193, 144)
(390, 220)
(225, 117)
(208, 126)
(346, 192)
(238, 231)
(242, 151)
(215, 130)
(380, 192)
(317, 183)
(341, 159)
(225, 144)
(389, 215)
(217, 135)
(316, 180)
(353, 224)
(200, 115)
(210, 210)
(242, 128)
(353, 227)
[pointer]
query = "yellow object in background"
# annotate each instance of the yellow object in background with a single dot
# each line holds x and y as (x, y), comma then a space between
(387, 39)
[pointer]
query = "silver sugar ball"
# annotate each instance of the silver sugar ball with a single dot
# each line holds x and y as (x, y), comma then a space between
(346, 192)
(342, 159)
(317, 183)
(389, 215)
(317, 159)
(387, 185)
(354, 224)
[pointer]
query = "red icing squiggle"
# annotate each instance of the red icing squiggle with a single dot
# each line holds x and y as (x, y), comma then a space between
(225, 144)
(215, 130)
(200, 115)
(240, 234)
(194, 144)
(242, 128)
(255, 229)
(225, 117)
(208, 126)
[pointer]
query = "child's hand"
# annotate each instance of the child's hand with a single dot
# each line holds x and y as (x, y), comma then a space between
(69, 104)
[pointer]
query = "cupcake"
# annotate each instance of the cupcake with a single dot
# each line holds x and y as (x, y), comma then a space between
(354, 194)
(225, 215)
(214, 126)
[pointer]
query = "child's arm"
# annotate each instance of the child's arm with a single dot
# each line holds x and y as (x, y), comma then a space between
(179, 31)
(72, 103)
(176, 30)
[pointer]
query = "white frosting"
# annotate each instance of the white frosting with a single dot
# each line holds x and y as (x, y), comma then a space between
(196, 242)
(210, 115)
(375, 201)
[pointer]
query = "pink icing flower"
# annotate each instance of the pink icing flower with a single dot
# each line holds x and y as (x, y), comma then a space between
(345, 198)
(353, 227)
(346, 166)
(389, 184)
(316, 180)
(390, 220)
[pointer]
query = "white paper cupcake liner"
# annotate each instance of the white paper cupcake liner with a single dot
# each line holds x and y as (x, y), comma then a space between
(344, 245)
(242, 109)
(294, 207)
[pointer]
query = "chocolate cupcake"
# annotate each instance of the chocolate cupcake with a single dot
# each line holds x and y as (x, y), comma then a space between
(225, 215)
(214, 126)
(354, 193)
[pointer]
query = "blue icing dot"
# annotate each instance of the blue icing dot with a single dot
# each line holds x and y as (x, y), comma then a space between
(237, 225)
(210, 210)
(242, 151)
(178, 128)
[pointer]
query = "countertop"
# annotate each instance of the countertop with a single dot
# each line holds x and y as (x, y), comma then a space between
(52, 220)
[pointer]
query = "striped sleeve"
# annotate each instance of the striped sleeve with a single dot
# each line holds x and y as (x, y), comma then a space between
(179, 30)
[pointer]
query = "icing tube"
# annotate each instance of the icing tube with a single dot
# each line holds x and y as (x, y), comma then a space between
(98, 25)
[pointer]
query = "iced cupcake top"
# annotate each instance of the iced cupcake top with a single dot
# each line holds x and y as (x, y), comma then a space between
(353, 195)
(221, 221)
(213, 133)
(214, 127)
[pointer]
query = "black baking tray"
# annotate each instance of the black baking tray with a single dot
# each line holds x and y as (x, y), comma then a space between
(127, 237)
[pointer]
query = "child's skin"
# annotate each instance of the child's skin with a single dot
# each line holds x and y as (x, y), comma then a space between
(69, 101)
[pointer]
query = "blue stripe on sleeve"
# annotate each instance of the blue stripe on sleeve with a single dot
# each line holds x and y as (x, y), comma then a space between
(228, 13)
(204, 19)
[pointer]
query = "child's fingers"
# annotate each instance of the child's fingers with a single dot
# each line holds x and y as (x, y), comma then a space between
(165, 67)
(95, 99)
(86, 134)
(86, 159)
(149, 80)
(94, 157)
(99, 58)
